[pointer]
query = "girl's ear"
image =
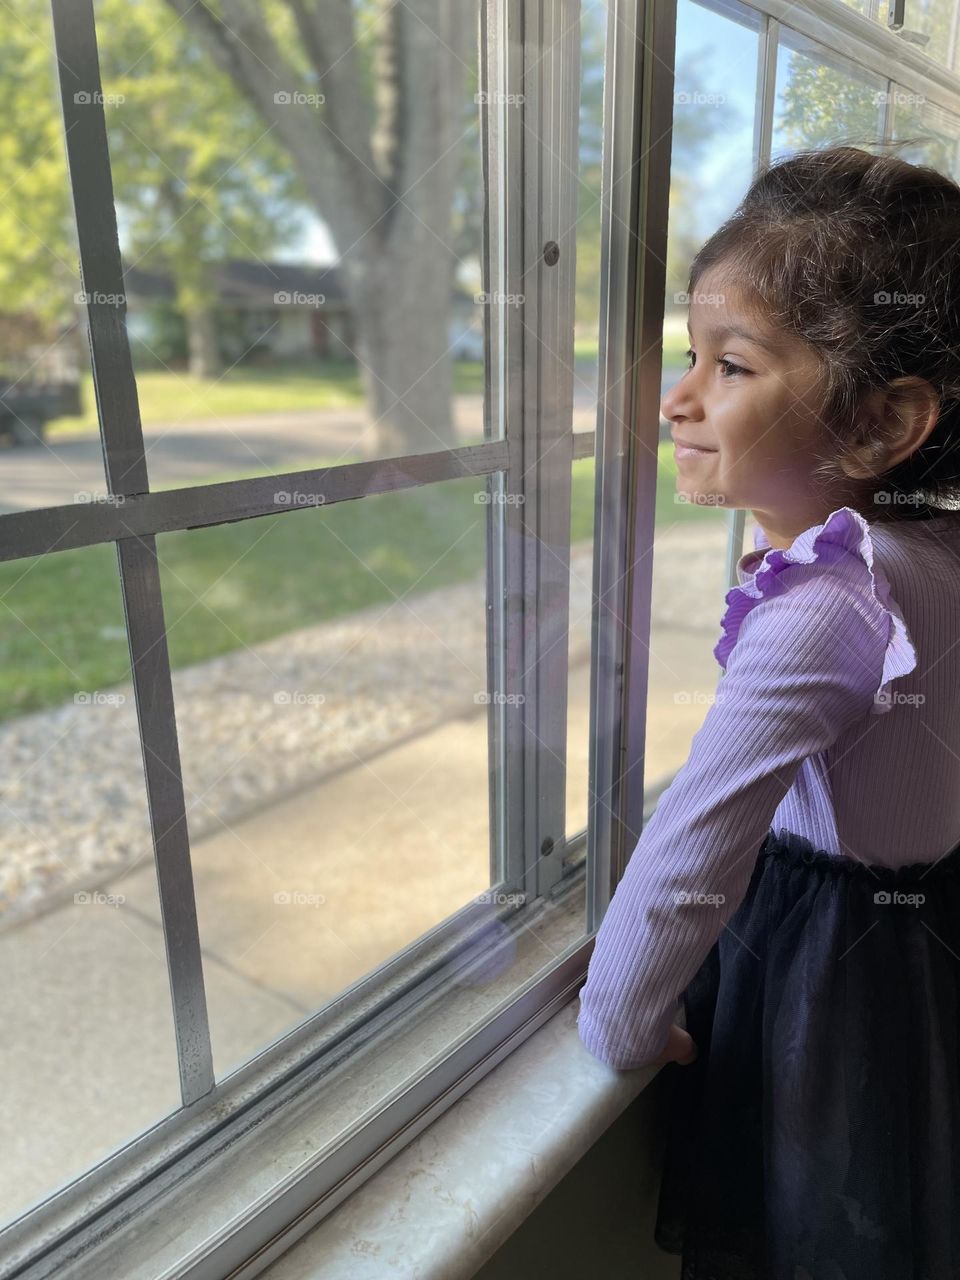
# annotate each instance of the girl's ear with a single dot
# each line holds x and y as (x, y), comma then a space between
(895, 421)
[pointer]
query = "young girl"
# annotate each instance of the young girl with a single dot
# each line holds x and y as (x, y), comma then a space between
(797, 888)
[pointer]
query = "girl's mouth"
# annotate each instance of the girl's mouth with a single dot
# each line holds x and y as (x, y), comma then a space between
(689, 451)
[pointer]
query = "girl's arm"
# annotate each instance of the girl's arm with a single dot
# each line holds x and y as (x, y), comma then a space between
(806, 665)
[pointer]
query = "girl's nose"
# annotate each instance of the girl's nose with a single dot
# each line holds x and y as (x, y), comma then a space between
(669, 401)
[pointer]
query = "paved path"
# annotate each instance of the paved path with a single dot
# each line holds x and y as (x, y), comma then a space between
(192, 452)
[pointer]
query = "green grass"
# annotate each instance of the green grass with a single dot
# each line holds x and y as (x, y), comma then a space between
(61, 620)
(166, 397)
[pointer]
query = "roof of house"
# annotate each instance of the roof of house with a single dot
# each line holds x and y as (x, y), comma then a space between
(243, 280)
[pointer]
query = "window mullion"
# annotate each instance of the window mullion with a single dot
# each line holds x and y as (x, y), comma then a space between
(537, 157)
(101, 275)
(637, 114)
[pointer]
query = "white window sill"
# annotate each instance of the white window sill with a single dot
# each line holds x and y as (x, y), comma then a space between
(446, 1203)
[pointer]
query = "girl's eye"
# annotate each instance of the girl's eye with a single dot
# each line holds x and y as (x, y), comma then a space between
(730, 369)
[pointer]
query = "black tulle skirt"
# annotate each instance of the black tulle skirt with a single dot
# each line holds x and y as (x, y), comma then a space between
(817, 1134)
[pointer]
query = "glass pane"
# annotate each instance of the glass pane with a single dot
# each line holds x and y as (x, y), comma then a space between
(330, 685)
(302, 273)
(933, 26)
(711, 167)
(935, 133)
(823, 98)
(593, 35)
(50, 450)
(89, 1059)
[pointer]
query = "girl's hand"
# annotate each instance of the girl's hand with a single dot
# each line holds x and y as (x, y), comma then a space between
(680, 1048)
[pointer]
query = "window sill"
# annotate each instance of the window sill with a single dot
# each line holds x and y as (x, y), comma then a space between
(448, 1200)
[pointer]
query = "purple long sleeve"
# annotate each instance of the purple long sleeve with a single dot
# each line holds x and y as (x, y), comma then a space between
(809, 643)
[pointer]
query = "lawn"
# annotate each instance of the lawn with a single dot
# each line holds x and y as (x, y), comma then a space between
(168, 397)
(62, 628)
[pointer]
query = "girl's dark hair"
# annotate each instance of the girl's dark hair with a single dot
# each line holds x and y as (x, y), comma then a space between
(858, 255)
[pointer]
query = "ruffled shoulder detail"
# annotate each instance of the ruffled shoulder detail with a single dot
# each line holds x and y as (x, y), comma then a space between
(847, 530)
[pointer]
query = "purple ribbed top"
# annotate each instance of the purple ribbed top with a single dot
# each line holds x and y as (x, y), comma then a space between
(837, 716)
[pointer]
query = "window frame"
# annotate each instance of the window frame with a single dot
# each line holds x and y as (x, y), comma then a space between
(531, 402)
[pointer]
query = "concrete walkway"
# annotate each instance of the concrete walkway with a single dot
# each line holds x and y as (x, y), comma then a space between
(196, 452)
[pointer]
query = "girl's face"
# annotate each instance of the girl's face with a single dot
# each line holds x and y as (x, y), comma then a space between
(750, 400)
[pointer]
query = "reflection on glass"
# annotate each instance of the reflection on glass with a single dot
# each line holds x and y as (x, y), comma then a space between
(823, 98)
(331, 698)
(89, 1059)
(934, 134)
(302, 256)
(49, 438)
(711, 167)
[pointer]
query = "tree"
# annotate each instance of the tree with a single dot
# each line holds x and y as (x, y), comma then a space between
(194, 179)
(197, 178)
(39, 276)
(369, 100)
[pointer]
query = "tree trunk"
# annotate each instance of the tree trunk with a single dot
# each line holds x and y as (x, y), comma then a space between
(203, 343)
(403, 316)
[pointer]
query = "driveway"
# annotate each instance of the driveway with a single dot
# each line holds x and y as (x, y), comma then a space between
(187, 453)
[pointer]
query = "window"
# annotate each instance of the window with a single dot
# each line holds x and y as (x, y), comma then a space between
(308, 842)
(337, 698)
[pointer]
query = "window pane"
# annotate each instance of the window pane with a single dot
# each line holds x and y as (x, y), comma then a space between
(933, 26)
(89, 1059)
(302, 256)
(935, 132)
(711, 166)
(593, 35)
(50, 450)
(823, 98)
(330, 686)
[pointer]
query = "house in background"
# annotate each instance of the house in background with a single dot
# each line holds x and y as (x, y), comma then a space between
(269, 311)
(265, 310)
